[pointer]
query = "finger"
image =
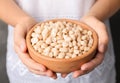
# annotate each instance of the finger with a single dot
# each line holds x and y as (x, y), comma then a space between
(29, 62)
(37, 72)
(79, 73)
(54, 76)
(46, 73)
(87, 67)
(64, 75)
(93, 63)
(51, 74)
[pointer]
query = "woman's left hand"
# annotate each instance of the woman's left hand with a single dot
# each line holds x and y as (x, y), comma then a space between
(100, 28)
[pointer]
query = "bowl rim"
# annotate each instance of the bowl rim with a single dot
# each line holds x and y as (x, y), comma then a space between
(84, 55)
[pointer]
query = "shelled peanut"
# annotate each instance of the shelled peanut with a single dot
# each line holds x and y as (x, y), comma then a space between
(61, 39)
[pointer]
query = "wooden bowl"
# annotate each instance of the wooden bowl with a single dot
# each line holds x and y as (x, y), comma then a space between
(63, 65)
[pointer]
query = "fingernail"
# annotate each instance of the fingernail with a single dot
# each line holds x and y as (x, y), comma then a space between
(75, 76)
(22, 48)
(63, 76)
(83, 68)
(53, 77)
(102, 48)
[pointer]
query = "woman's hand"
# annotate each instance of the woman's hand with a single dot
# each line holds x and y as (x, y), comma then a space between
(100, 28)
(20, 32)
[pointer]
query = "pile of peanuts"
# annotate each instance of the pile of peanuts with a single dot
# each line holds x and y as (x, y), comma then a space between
(61, 39)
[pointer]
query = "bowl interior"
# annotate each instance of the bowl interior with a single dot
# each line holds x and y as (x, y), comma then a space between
(84, 55)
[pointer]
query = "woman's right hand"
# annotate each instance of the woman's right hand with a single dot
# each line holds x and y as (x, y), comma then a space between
(20, 32)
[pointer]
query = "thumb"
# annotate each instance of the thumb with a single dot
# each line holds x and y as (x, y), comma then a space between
(103, 42)
(22, 45)
(19, 38)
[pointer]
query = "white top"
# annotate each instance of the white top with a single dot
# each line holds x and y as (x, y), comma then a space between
(56, 8)
(48, 9)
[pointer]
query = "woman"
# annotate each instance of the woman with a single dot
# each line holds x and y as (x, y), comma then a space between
(21, 15)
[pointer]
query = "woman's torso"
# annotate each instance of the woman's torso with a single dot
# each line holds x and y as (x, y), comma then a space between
(44, 10)
(48, 9)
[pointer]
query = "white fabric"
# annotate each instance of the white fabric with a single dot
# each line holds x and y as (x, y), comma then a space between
(49, 9)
